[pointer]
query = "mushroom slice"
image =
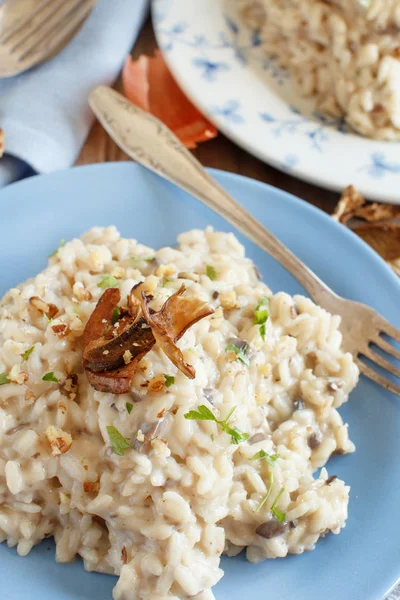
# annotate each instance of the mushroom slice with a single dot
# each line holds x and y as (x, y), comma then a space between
(117, 381)
(170, 323)
(101, 315)
(105, 354)
(104, 346)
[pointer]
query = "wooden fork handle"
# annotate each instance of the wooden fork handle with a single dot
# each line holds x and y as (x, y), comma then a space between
(151, 143)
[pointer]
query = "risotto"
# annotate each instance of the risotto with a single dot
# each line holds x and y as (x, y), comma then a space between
(154, 484)
(346, 53)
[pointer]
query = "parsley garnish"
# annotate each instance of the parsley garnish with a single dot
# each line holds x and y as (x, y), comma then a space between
(115, 315)
(270, 458)
(261, 315)
(166, 280)
(169, 380)
(265, 498)
(129, 407)
(211, 272)
(203, 413)
(46, 318)
(142, 258)
(240, 353)
(75, 309)
(3, 379)
(50, 377)
(62, 243)
(27, 354)
(108, 281)
(279, 515)
(118, 442)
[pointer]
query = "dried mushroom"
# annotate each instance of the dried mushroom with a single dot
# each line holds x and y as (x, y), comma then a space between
(377, 224)
(350, 200)
(106, 345)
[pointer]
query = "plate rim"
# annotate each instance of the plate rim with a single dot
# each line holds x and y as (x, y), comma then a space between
(296, 200)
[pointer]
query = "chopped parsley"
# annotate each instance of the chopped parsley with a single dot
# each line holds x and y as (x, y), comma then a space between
(62, 243)
(129, 407)
(240, 353)
(203, 413)
(115, 315)
(137, 259)
(108, 281)
(27, 354)
(261, 315)
(118, 442)
(266, 496)
(46, 318)
(3, 379)
(75, 309)
(166, 280)
(169, 380)
(211, 272)
(50, 377)
(279, 515)
(270, 458)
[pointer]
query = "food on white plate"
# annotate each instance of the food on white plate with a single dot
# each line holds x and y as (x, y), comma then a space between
(346, 53)
(219, 401)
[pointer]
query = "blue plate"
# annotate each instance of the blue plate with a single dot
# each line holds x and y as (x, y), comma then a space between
(363, 562)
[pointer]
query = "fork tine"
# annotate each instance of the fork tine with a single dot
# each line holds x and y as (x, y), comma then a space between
(379, 379)
(386, 347)
(8, 33)
(388, 329)
(385, 364)
(61, 29)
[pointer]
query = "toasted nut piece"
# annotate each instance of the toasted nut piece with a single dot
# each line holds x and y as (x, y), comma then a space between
(157, 383)
(91, 486)
(127, 357)
(80, 292)
(50, 310)
(165, 270)
(60, 441)
(59, 329)
(229, 300)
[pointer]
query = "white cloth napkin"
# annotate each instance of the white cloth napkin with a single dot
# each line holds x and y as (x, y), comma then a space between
(44, 112)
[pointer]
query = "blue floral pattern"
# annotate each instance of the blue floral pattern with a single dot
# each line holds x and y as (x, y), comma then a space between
(315, 129)
(229, 111)
(380, 166)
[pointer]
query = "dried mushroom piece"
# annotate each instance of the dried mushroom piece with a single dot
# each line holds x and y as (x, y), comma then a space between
(170, 323)
(382, 229)
(106, 347)
(105, 354)
(384, 238)
(350, 200)
(101, 315)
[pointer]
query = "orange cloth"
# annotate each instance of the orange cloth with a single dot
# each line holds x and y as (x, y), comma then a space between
(148, 83)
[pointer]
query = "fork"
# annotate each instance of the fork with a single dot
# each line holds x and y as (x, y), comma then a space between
(148, 141)
(39, 33)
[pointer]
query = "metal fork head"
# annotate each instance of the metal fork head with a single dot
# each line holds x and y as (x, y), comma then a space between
(39, 32)
(362, 329)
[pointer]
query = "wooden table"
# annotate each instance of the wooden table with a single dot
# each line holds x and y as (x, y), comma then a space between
(220, 153)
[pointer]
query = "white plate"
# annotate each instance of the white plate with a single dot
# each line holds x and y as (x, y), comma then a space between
(220, 65)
